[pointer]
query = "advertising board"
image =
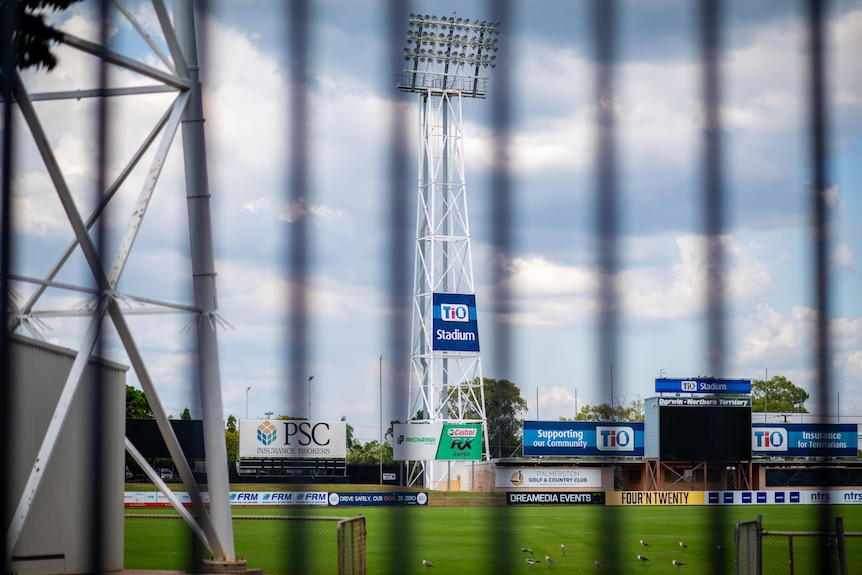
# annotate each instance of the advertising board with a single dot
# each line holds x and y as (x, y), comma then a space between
(805, 439)
(549, 477)
(441, 441)
(574, 438)
(454, 322)
(701, 385)
(291, 438)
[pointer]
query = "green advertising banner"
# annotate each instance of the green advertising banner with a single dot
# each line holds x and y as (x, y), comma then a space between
(460, 441)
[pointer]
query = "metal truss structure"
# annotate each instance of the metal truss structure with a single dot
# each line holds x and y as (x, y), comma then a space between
(171, 68)
(446, 55)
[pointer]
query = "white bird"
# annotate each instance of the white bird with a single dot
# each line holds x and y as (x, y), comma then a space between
(428, 565)
(563, 548)
(644, 543)
(531, 561)
(677, 564)
(683, 545)
(642, 558)
(550, 560)
(526, 550)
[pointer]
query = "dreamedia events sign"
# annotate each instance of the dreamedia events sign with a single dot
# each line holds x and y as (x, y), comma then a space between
(441, 441)
(576, 438)
(454, 323)
(805, 439)
(291, 438)
(555, 498)
(543, 478)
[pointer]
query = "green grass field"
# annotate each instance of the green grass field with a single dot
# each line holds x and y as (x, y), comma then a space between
(474, 539)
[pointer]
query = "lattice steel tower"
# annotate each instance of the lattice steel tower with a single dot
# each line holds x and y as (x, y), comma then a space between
(445, 58)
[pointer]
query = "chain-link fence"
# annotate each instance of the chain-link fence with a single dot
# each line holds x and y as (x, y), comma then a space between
(311, 545)
(760, 552)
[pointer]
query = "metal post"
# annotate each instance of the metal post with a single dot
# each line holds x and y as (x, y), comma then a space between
(247, 389)
(381, 418)
(309, 397)
(203, 274)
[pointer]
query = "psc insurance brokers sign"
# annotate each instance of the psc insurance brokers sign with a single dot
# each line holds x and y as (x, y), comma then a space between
(455, 326)
(292, 439)
(573, 438)
(805, 439)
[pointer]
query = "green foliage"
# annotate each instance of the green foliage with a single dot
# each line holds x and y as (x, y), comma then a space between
(231, 423)
(369, 453)
(137, 406)
(778, 395)
(186, 414)
(603, 412)
(32, 36)
(504, 407)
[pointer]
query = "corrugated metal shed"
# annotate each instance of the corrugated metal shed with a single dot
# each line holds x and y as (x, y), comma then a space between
(56, 536)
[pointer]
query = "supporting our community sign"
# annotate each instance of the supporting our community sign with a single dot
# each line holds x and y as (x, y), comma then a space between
(443, 441)
(574, 438)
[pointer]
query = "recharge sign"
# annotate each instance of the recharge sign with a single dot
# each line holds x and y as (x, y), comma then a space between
(454, 323)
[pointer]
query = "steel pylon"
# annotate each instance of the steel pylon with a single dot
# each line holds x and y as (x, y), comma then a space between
(176, 73)
(446, 387)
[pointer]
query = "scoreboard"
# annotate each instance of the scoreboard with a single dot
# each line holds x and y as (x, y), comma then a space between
(698, 429)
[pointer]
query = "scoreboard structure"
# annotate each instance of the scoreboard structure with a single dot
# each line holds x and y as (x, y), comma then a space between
(716, 429)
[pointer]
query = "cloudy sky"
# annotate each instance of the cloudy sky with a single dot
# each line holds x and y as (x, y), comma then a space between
(246, 78)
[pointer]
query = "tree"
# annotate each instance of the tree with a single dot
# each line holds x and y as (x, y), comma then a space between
(231, 438)
(33, 37)
(603, 412)
(186, 414)
(137, 406)
(778, 395)
(503, 408)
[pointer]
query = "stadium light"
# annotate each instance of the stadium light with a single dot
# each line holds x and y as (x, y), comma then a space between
(448, 54)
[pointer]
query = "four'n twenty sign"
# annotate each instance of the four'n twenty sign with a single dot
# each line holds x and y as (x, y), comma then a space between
(455, 326)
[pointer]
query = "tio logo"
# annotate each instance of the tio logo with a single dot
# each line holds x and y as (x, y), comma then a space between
(454, 312)
(769, 439)
(689, 386)
(616, 438)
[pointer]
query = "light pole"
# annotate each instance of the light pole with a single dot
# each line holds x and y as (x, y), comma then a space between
(309, 397)
(247, 389)
(382, 355)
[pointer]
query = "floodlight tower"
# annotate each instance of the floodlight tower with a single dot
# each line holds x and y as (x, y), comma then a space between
(445, 58)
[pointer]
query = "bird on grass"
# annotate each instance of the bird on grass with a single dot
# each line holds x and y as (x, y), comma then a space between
(550, 560)
(428, 565)
(683, 545)
(531, 561)
(598, 564)
(721, 548)
(677, 564)
(563, 548)
(644, 543)
(643, 558)
(526, 550)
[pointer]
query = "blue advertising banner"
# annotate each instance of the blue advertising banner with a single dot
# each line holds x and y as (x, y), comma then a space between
(805, 439)
(375, 499)
(697, 385)
(455, 325)
(574, 438)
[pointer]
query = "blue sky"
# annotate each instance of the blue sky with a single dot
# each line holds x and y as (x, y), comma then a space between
(550, 45)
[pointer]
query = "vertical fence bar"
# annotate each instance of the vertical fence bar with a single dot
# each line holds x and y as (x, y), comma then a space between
(8, 24)
(713, 218)
(299, 193)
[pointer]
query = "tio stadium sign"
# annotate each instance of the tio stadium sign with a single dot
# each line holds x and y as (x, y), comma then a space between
(698, 385)
(454, 323)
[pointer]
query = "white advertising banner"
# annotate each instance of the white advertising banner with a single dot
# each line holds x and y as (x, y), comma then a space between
(292, 439)
(416, 441)
(549, 477)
